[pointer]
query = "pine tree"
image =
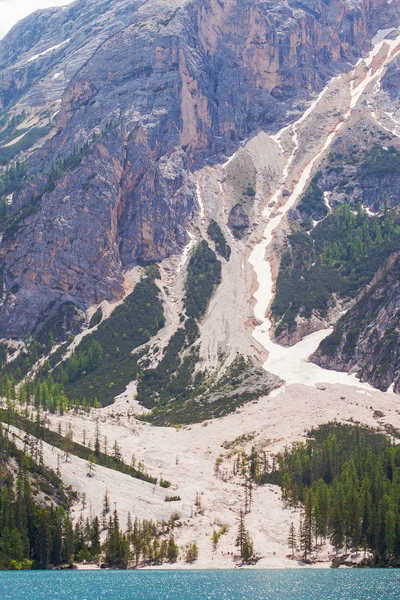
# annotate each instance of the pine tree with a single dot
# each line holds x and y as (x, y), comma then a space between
(97, 439)
(250, 495)
(248, 550)
(192, 553)
(106, 504)
(243, 540)
(215, 539)
(241, 534)
(68, 443)
(91, 465)
(58, 466)
(292, 539)
(95, 537)
(50, 341)
(117, 452)
(172, 552)
(129, 523)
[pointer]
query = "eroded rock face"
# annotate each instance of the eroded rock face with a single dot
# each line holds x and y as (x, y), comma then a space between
(238, 220)
(366, 339)
(147, 92)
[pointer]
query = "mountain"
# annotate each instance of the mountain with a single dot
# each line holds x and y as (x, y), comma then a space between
(199, 246)
(133, 97)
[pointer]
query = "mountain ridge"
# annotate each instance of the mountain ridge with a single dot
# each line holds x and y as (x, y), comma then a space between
(134, 230)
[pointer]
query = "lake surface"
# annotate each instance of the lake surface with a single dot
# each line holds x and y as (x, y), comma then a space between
(326, 584)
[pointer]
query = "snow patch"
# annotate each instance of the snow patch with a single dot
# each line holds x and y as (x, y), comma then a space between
(186, 252)
(56, 47)
(327, 195)
(381, 34)
(200, 201)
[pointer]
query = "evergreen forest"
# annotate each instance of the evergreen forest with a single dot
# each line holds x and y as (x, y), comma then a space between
(345, 479)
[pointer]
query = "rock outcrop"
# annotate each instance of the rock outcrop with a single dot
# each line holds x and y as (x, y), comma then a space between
(366, 339)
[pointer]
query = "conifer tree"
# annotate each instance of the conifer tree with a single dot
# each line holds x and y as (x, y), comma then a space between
(97, 439)
(117, 452)
(91, 465)
(292, 539)
(172, 552)
(106, 504)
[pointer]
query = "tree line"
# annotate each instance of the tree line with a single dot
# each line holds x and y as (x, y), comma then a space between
(37, 532)
(346, 481)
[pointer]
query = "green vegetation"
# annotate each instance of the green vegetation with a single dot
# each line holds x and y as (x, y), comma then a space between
(27, 141)
(24, 361)
(380, 162)
(250, 191)
(191, 553)
(244, 541)
(146, 541)
(84, 362)
(3, 354)
(69, 446)
(348, 481)
(198, 396)
(341, 255)
(12, 178)
(221, 246)
(100, 367)
(170, 17)
(9, 132)
(10, 181)
(37, 347)
(31, 535)
(172, 378)
(204, 274)
(41, 534)
(223, 529)
(362, 321)
(65, 320)
(60, 166)
(96, 318)
(103, 363)
(312, 203)
(174, 382)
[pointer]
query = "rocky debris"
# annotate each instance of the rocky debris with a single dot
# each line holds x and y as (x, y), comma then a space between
(250, 383)
(317, 322)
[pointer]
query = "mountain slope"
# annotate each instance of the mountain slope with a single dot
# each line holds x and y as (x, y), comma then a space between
(145, 272)
(150, 92)
(366, 339)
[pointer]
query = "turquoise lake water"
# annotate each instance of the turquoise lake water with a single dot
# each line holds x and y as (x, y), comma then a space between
(352, 584)
(362, 584)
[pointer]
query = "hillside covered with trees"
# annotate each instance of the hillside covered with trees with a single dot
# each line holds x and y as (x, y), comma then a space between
(346, 481)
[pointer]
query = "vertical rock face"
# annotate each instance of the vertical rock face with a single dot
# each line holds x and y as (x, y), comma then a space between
(366, 339)
(142, 93)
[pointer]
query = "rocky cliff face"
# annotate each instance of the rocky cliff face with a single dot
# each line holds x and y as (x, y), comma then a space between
(139, 94)
(366, 339)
